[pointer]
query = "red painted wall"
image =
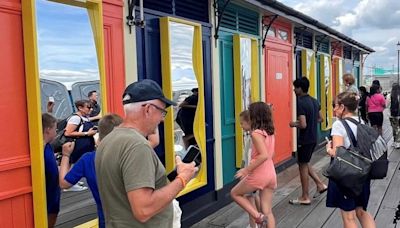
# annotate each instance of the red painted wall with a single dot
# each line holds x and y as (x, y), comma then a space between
(114, 53)
(16, 203)
(15, 176)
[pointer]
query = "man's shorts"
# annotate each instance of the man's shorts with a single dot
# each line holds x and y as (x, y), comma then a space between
(304, 152)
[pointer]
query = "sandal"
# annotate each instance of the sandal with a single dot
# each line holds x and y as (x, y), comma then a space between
(261, 221)
(319, 193)
(299, 202)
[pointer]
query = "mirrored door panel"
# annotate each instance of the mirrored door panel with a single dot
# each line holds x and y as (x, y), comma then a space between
(182, 80)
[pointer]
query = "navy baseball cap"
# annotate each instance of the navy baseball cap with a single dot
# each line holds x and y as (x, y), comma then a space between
(144, 90)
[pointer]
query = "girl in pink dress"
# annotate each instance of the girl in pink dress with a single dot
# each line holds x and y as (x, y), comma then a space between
(260, 174)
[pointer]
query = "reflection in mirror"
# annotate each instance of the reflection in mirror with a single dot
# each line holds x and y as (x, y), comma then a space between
(69, 73)
(245, 61)
(184, 85)
(327, 74)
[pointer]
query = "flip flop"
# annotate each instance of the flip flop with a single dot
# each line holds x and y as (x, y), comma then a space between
(299, 202)
(318, 193)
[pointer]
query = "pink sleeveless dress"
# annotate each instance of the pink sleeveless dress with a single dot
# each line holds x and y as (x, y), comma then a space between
(264, 176)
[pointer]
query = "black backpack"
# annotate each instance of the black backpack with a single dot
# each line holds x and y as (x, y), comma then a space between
(60, 138)
(373, 146)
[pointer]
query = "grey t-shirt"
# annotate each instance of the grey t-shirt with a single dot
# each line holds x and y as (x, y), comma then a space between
(125, 162)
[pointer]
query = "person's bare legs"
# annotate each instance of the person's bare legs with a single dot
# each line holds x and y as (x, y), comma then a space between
(252, 222)
(320, 185)
(349, 219)
(380, 130)
(365, 218)
(266, 205)
(304, 172)
(51, 220)
(238, 195)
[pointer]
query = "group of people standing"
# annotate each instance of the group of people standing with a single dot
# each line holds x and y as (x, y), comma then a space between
(259, 175)
(129, 181)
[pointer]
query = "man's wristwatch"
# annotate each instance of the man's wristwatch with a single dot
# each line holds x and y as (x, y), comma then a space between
(86, 133)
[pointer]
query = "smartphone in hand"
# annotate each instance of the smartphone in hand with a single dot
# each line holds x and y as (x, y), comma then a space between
(51, 99)
(193, 155)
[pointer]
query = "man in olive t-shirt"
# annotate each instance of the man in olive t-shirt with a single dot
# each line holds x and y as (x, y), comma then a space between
(133, 186)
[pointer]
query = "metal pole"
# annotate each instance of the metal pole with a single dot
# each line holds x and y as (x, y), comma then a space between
(398, 64)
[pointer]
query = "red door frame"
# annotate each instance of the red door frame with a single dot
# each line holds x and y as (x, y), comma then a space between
(336, 50)
(285, 47)
(16, 202)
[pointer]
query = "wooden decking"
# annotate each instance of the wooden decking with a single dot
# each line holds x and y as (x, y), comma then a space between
(76, 208)
(79, 207)
(385, 196)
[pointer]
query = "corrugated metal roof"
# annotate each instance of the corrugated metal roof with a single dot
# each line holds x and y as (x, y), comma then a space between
(290, 12)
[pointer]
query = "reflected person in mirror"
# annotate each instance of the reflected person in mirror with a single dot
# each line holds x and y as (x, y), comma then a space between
(185, 117)
(49, 125)
(133, 186)
(95, 114)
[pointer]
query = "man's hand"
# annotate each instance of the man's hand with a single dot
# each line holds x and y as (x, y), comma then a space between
(67, 148)
(293, 124)
(50, 106)
(185, 170)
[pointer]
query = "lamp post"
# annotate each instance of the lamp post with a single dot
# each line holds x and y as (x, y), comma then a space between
(398, 60)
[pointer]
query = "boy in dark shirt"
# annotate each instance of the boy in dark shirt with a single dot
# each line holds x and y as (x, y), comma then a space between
(49, 125)
(85, 167)
(308, 116)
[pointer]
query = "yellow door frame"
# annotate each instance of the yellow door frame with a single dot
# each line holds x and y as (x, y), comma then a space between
(95, 12)
(199, 122)
(238, 86)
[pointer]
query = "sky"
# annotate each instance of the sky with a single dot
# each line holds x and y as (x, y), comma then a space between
(66, 47)
(67, 52)
(374, 23)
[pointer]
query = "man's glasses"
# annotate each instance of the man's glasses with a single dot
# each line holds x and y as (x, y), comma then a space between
(163, 111)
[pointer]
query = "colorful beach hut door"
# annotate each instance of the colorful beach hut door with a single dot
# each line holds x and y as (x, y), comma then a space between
(225, 44)
(278, 86)
(278, 93)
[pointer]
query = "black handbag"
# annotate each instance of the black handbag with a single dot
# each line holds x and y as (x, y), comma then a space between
(349, 169)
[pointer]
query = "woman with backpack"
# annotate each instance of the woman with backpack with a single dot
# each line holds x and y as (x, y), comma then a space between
(395, 113)
(345, 106)
(376, 103)
(81, 129)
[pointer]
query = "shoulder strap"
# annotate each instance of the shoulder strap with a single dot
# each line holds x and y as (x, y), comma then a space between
(353, 121)
(353, 140)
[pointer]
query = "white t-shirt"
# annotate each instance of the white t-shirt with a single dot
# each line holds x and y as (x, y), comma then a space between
(339, 130)
(76, 120)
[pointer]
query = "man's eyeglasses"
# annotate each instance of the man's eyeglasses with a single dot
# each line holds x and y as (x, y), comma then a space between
(163, 111)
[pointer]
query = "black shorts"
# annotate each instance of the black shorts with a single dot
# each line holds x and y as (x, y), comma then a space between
(304, 152)
(376, 118)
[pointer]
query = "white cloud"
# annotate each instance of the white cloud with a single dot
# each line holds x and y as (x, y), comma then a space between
(68, 77)
(374, 23)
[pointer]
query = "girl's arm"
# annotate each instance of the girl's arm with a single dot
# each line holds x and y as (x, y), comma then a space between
(383, 101)
(258, 141)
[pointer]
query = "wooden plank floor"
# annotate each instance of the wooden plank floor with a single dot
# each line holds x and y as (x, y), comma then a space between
(79, 207)
(385, 196)
(76, 208)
